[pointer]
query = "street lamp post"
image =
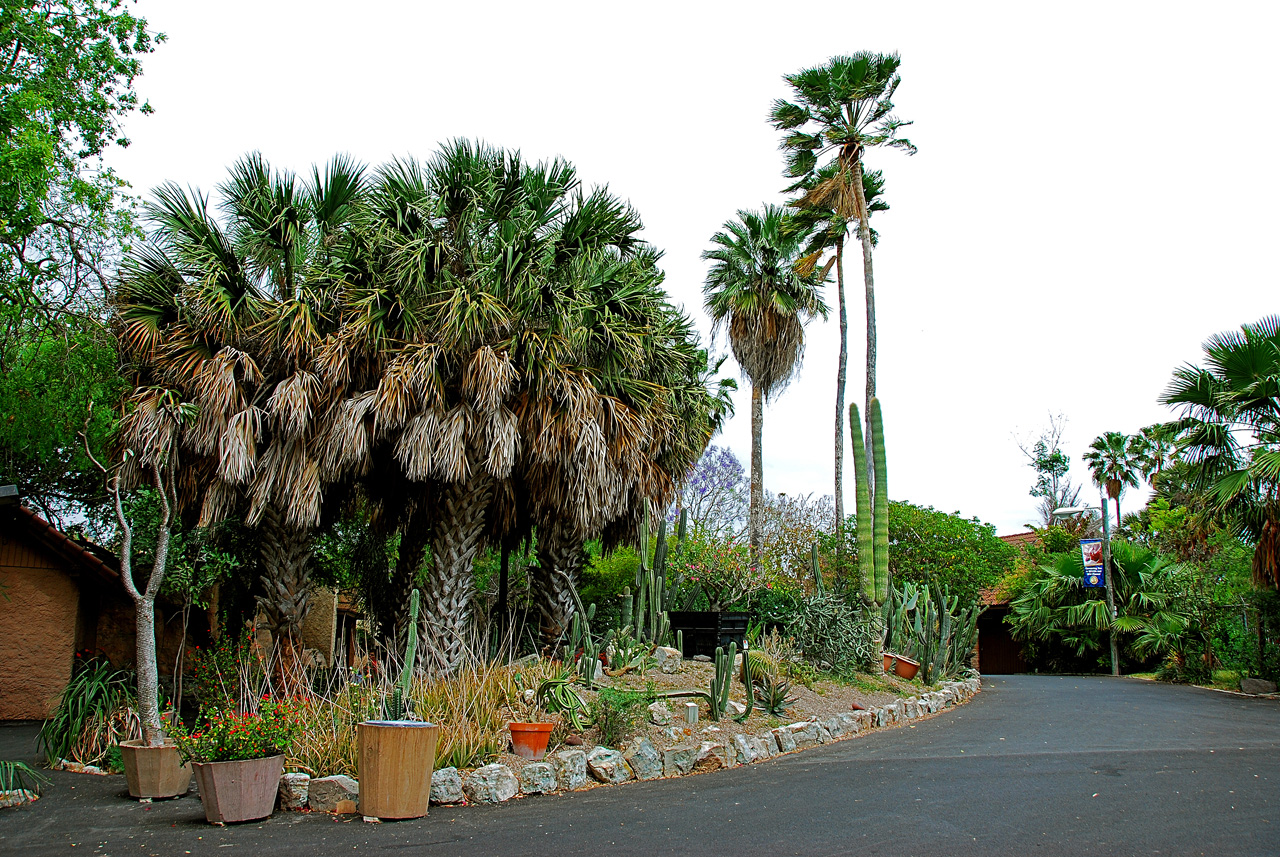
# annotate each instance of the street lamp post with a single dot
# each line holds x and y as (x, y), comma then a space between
(1106, 568)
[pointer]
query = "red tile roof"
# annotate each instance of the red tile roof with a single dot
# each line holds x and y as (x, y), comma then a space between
(85, 555)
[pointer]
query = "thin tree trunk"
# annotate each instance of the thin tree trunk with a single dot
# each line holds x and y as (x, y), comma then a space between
(455, 539)
(869, 281)
(756, 534)
(841, 370)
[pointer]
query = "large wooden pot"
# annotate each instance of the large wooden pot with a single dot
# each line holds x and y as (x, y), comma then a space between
(243, 790)
(154, 772)
(395, 763)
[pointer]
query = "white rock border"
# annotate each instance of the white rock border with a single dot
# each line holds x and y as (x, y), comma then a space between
(497, 783)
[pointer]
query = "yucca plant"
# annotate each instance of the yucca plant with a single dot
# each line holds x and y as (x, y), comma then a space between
(94, 712)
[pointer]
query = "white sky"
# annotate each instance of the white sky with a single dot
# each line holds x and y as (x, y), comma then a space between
(1094, 194)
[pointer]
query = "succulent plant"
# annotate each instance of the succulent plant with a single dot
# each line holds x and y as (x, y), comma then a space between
(772, 692)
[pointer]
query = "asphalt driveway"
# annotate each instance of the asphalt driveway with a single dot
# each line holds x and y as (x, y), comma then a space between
(1033, 765)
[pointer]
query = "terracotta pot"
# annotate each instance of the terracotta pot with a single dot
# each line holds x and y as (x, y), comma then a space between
(901, 665)
(243, 790)
(529, 740)
(154, 772)
(395, 763)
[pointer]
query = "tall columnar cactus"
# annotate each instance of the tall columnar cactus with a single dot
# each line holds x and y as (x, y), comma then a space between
(873, 518)
(654, 589)
(881, 504)
(722, 680)
(399, 705)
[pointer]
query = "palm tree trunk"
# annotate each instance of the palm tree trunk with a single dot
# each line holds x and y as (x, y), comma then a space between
(841, 371)
(869, 281)
(286, 563)
(754, 522)
(455, 540)
(560, 558)
(413, 548)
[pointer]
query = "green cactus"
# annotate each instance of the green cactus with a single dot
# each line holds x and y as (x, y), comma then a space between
(880, 511)
(817, 572)
(654, 590)
(722, 680)
(399, 705)
(864, 512)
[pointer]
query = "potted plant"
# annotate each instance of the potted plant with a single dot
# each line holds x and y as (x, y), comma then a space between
(152, 766)
(901, 665)
(398, 752)
(538, 709)
(238, 758)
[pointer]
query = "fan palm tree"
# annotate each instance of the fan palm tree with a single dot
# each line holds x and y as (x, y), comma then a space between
(229, 312)
(1156, 450)
(841, 109)
(1230, 433)
(827, 231)
(1114, 465)
(754, 290)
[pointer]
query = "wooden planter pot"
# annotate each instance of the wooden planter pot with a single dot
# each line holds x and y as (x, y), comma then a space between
(243, 790)
(901, 665)
(395, 763)
(154, 772)
(529, 740)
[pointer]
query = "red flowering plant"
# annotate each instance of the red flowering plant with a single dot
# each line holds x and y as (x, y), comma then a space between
(220, 735)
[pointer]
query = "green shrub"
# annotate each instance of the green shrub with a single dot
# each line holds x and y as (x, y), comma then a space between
(93, 713)
(615, 713)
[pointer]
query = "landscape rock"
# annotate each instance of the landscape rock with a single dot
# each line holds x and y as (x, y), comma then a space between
(834, 725)
(608, 766)
(824, 734)
(537, 778)
(325, 793)
(713, 755)
(674, 734)
(745, 750)
(491, 784)
(659, 714)
(17, 797)
(446, 787)
(644, 759)
(571, 769)
(912, 707)
(669, 660)
(786, 739)
(769, 740)
(678, 761)
(734, 709)
(702, 659)
(764, 747)
(850, 723)
(1257, 685)
(293, 791)
(804, 734)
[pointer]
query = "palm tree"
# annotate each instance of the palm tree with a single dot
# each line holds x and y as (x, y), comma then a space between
(754, 290)
(1112, 461)
(840, 110)
(229, 314)
(1155, 449)
(1230, 433)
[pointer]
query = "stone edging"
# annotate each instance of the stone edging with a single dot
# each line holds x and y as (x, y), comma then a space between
(572, 769)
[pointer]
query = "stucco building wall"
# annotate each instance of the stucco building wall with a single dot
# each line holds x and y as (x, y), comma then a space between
(39, 612)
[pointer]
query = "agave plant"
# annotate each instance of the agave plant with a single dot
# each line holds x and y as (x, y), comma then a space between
(771, 694)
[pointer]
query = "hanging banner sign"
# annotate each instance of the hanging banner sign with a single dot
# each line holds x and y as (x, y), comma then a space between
(1091, 552)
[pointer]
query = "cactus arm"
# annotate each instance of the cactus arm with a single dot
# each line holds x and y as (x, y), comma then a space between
(880, 513)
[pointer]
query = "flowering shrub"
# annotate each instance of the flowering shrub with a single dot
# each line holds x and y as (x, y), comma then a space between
(722, 568)
(227, 672)
(225, 736)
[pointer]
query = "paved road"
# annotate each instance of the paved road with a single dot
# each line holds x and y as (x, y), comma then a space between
(1033, 765)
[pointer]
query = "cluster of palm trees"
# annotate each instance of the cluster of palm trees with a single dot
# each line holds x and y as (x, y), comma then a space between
(1117, 461)
(768, 266)
(469, 348)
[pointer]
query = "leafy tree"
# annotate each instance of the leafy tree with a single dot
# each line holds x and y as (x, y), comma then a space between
(1115, 460)
(840, 110)
(962, 554)
(67, 76)
(1052, 465)
(753, 289)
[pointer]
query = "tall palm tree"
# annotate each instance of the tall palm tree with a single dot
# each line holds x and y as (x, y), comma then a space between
(229, 312)
(841, 109)
(1114, 465)
(1156, 450)
(1230, 433)
(754, 290)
